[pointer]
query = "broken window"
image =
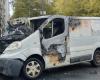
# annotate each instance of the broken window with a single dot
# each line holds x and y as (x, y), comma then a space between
(47, 31)
(54, 28)
(36, 23)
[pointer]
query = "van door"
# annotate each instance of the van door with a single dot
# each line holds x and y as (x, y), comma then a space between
(54, 40)
(81, 41)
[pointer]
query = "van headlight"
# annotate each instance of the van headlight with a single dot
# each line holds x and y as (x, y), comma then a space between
(13, 46)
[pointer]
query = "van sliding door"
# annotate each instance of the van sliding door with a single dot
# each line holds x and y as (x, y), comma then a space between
(81, 42)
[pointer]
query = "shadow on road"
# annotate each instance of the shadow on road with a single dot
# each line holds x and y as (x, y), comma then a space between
(72, 71)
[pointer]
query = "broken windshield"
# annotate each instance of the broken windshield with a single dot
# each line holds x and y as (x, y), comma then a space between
(25, 28)
(36, 23)
(19, 28)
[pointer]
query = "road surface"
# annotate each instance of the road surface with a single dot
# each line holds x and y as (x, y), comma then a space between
(83, 71)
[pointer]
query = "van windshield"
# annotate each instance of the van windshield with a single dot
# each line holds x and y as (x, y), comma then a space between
(25, 28)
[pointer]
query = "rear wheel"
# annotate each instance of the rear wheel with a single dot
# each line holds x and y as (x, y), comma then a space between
(96, 59)
(32, 68)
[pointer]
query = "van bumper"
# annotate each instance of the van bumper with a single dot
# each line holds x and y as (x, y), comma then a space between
(10, 67)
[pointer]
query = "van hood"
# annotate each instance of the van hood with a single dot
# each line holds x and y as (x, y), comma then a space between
(29, 46)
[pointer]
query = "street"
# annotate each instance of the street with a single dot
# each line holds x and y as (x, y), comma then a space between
(83, 71)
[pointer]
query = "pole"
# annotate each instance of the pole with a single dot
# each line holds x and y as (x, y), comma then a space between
(42, 7)
(29, 8)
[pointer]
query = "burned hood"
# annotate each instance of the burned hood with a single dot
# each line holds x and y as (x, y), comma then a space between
(29, 46)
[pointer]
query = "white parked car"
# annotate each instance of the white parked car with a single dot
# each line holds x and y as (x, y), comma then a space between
(56, 41)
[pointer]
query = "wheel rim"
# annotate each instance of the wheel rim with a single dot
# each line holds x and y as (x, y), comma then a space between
(33, 69)
(98, 58)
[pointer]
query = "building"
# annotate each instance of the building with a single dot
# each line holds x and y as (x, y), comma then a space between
(4, 14)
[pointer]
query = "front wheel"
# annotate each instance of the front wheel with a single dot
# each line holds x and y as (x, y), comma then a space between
(32, 68)
(96, 59)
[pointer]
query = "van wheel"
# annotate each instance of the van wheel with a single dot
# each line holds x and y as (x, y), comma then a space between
(32, 68)
(96, 59)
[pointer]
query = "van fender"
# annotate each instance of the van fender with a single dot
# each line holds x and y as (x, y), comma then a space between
(96, 46)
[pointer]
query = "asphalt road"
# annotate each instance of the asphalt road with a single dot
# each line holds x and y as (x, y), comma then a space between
(83, 71)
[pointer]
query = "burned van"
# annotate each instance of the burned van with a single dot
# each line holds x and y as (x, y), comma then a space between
(55, 41)
(17, 30)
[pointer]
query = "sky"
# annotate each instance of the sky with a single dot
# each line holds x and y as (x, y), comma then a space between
(10, 8)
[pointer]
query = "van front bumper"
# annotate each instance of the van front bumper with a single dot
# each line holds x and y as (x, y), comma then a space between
(10, 67)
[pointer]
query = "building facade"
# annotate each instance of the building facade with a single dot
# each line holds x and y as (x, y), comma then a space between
(4, 14)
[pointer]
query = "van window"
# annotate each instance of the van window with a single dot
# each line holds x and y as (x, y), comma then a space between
(36, 23)
(47, 31)
(80, 28)
(54, 28)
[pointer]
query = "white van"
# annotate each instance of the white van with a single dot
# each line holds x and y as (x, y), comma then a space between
(56, 41)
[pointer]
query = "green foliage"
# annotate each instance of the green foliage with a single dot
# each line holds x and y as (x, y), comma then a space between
(30, 8)
(78, 7)
(24, 8)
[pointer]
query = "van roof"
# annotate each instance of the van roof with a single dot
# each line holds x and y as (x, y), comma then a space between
(74, 17)
(47, 16)
(79, 17)
(38, 17)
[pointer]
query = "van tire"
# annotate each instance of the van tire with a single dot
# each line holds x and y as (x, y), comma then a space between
(32, 68)
(96, 59)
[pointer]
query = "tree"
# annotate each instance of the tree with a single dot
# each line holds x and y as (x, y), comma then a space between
(30, 8)
(91, 7)
(24, 8)
(78, 7)
(62, 7)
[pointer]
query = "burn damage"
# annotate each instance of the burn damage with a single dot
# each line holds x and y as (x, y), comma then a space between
(55, 54)
(54, 57)
(54, 41)
(74, 23)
